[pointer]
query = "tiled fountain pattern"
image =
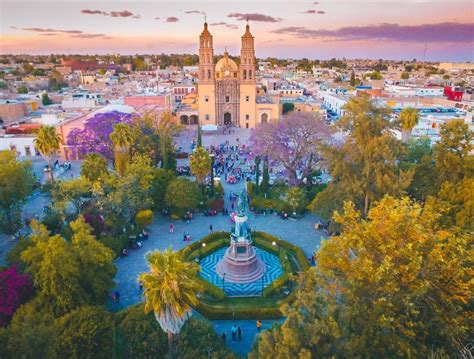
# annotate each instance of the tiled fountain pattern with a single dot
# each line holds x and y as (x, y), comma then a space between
(273, 271)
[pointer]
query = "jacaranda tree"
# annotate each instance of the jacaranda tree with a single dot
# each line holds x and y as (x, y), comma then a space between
(95, 137)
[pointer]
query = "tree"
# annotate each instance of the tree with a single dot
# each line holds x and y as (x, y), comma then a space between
(3, 85)
(452, 153)
(69, 274)
(161, 179)
(408, 120)
(295, 198)
(29, 332)
(182, 195)
(405, 75)
(48, 142)
(144, 218)
(16, 184)
(199, 137)
(125, 196)
(365, 166)
(86, 332)
(265, 177)
(75, 191)
(170, 290)
(395, 284)
(208, 345)
(122, 138)
(15, 289)
(258, 160)
(45, 100)
(288, 107)
(353, 79)
(400, 245)
(294, 142)
(200, 165)
(22, 90)
(95, 136)
(309, 330)
(141, 333)
(94, 167)
(375, 75)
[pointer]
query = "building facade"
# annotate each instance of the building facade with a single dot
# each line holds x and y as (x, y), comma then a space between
(227, 92)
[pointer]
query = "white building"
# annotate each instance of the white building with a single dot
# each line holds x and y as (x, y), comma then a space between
(334, 102)
(23, 145)
(414, 91)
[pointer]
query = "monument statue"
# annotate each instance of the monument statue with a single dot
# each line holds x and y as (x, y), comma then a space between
(240, 263)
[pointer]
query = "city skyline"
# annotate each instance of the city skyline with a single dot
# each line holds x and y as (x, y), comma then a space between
(310, 29)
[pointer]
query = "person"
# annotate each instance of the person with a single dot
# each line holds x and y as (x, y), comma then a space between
(233, 330)
(224, 337)
(140, 285)
(171, 228)
(184, 237)
(117, 296)
(239, 333)
(259, 325)
(211, 228)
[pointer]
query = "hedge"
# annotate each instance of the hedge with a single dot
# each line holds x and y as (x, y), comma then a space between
(298, 252)
(212, 290)
(213, 312)
(277, 285)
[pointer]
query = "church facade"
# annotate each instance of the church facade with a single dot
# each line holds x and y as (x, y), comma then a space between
(227, 92)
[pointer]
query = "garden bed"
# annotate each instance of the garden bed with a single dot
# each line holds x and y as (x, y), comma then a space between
(214, 304)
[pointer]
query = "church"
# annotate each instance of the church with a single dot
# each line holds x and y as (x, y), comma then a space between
(227, 91)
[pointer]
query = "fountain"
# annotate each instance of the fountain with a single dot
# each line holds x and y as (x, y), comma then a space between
(240, 263)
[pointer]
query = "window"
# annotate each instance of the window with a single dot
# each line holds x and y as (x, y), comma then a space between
(208, 74)
(227, 99)
(246, 125)
(27, 151)
(206, 98)
(247, 98)
(247, 117)
(245, 74)
(207, 117)
(250, 74)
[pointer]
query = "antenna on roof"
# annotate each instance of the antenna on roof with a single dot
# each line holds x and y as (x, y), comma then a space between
(205, 18)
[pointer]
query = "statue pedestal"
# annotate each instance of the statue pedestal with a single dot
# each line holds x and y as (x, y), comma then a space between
(240, 263)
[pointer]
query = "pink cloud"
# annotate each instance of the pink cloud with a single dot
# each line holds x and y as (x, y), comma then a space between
(172, 19)
(310, 12)
(222, 23)
(39, 29)
(321, 12)
(437, 33)
(254, 17)
(124, 13)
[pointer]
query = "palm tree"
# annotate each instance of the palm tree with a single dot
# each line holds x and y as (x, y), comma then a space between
(48, 142)
(122, 138)
(170, 290)
(408, 119)
(200, 165)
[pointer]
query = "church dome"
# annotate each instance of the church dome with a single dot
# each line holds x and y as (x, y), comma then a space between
(226, 67)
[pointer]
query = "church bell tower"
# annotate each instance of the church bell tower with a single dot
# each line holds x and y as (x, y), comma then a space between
(248, 89)
(206, 85)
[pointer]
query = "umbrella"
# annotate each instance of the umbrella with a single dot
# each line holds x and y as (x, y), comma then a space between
(207, 128)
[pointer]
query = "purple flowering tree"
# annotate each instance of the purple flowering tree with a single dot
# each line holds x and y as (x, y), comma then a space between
(293, 142)
(15, 289)
(95, 137)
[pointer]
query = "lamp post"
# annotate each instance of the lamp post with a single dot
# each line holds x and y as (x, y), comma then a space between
(279, 247)
(262, 284)
(223, 282)
(203, 245)
(212, 175)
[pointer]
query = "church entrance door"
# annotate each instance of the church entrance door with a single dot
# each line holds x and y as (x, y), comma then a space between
(227, 119)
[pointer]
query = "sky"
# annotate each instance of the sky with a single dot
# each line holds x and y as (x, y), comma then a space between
(396, 30)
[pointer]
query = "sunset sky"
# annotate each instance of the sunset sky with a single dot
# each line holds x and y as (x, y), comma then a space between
(325, 29)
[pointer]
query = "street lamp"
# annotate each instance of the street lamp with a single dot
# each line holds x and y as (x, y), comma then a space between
(223, 282)
(212, 174)
(279, 247)
(262, 284)
(203, 245)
